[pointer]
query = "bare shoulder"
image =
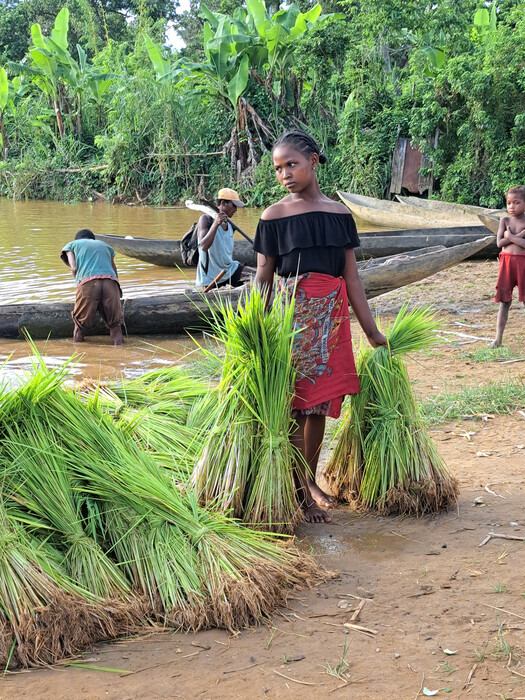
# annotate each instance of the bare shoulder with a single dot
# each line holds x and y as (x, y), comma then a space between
(205, 221)
(276, 211)
(339, 208)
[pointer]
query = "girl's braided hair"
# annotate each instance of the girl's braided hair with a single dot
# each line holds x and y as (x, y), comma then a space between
(303, 142)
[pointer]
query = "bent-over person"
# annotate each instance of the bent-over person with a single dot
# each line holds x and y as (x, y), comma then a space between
(93, 266)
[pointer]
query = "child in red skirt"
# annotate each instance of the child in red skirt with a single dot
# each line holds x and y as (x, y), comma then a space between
(511, 239)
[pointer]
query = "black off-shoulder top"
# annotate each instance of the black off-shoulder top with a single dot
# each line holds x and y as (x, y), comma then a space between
(310, 242)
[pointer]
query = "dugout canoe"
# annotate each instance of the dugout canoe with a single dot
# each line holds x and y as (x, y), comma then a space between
(381, 243)
(491, 222)
(382, 212)
(188, 310)
(166, 252)
(451, 210)
(375, 244)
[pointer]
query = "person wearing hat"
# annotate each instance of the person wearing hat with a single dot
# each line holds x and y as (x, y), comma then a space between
(216, 245)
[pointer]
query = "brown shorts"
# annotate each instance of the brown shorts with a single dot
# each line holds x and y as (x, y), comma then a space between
(511, 274)
(102, 295)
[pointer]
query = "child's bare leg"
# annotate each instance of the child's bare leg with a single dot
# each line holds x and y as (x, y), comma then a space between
(78, 335)
(312, 512)
(116, 335)
(313, 439)
(503, 317)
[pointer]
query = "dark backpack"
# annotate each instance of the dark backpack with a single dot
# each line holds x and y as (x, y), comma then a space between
(189, 247)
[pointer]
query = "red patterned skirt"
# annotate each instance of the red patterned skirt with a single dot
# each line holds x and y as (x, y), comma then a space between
(323, 346)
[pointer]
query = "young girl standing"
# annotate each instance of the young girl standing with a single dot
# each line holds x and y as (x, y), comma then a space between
(308, 240)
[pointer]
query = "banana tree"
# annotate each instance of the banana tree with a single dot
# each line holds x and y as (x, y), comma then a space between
(260, 47)
(278, 35)
(49, 63)
(223, 76)
(87, 82)
(66, 81)
(14, 111)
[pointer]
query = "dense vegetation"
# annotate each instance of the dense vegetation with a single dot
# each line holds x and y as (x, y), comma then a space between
(93, 103)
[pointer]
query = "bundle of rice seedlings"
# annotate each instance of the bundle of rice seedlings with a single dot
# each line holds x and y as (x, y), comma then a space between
(246, 467)
(154, 409)
(198, 567)
(40, 481)
(384, 457)
(45, 616)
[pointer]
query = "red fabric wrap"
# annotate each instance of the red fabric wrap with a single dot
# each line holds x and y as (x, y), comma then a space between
(323, 347)
(511, 274)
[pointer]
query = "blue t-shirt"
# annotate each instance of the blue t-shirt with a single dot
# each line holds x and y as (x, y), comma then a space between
(93, 258)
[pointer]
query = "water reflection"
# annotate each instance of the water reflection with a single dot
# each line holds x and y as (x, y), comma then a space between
(96, 358)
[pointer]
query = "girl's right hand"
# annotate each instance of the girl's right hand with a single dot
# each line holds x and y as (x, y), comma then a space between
(377, 338)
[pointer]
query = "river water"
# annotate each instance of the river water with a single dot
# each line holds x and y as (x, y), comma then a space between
(33, 233)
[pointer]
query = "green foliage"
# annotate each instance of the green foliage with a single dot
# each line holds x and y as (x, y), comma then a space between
(84, 89)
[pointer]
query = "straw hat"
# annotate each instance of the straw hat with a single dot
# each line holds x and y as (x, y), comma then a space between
(231, 195)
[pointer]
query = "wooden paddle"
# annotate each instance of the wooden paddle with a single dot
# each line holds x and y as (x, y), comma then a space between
(211, 210)
(214, 281)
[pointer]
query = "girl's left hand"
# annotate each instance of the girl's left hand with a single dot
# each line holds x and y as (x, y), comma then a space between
(377, 338)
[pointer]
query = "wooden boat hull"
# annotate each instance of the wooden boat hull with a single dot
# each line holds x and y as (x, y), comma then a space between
(165, 252)
(490, 222)
(176, 313)
(381, 212)
(380, 243)
(451, 209)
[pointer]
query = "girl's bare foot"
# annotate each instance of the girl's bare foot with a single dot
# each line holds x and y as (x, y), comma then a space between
(313, 514)
(324, 500)
(495, 343)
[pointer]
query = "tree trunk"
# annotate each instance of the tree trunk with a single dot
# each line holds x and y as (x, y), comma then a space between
(4, 137)
(58, 114)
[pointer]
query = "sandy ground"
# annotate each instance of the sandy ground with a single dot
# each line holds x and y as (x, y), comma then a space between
(428, 584)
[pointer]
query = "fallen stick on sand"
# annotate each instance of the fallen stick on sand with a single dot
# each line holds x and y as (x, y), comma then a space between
(465, 335)
(508, 612)
(357, 611)
(496, 535)
(493, 492)
(469, 677)
(359, 628)
(294, 680)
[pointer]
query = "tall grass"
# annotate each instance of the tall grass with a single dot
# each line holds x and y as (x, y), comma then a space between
(500, 397)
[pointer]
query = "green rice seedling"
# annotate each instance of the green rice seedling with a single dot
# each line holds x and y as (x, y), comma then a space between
(246, 467)
(489, 354)
(41, 483)
(385, 459)
(154, 408)
(44, 615)
(199, 567)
